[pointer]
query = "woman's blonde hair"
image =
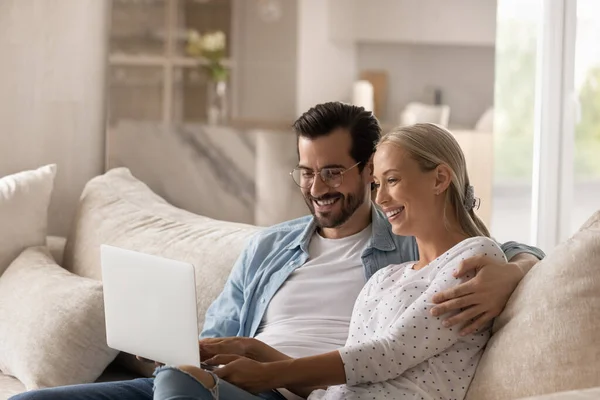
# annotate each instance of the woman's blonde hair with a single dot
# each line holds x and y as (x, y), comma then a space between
(431, 145)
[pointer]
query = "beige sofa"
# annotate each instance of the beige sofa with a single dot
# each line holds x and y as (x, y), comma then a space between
(547, 341)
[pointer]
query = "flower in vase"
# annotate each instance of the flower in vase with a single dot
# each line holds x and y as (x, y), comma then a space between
(210, 47)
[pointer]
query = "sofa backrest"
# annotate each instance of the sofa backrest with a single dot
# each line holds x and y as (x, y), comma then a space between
(119, 210)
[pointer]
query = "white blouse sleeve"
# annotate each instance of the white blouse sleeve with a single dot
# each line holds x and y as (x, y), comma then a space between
(415, 335)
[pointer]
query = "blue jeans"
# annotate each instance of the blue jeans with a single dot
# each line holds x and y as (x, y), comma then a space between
(173, 384)
(170, 383)
(137, 389)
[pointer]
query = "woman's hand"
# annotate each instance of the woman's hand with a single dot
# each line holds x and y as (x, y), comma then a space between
(250, 375)
(241, 346)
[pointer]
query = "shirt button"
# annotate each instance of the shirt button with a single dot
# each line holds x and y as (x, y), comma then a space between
(263, 300)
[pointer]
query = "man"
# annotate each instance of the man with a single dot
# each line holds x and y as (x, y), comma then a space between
(294, 285)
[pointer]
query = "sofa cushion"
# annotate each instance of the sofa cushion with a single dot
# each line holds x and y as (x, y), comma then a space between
(548, 337)
(24, 201)
(119, 210)
(52, 331)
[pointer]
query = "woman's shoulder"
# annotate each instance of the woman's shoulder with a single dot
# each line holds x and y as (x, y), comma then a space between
(470, 247)
(478, 245)
(390, 270)
(481, 241)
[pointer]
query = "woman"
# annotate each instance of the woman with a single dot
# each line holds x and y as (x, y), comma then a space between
(395, 348)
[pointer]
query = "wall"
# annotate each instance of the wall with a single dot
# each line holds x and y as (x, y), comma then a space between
(52, 78)
(326, 65)
(465, 74)
(463, 22)
(286, 66)
(265, 53)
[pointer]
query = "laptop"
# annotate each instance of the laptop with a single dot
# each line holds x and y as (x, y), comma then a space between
(150, 306)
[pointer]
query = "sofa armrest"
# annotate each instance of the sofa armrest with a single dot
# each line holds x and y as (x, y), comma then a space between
(582, 394)
(56, 245)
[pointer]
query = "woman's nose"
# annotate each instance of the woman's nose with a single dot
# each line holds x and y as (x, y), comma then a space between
(381, 195)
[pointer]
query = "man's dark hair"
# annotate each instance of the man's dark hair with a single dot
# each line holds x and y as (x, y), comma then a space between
(323, 119)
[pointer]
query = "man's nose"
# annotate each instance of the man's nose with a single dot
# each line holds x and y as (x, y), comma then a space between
(318, 188)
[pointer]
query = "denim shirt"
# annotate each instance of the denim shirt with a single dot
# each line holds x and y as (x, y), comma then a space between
(274, 253)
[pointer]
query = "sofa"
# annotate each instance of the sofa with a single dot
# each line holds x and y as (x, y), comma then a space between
(545, 345)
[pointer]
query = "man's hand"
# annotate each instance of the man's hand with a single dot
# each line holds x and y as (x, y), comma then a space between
(480, 299)
(241, 346)
(145, 360)
(211, 347)
(250, 375)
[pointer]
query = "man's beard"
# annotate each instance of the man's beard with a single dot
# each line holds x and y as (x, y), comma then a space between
(334, 219)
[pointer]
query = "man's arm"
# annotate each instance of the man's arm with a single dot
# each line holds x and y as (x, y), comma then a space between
(513, 250)
(223, 316)
(486, 295)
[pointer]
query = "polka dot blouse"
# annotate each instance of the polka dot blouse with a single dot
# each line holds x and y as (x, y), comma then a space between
(396, 349)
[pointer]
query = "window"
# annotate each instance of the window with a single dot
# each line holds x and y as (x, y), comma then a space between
(586, 168)
(518, 27)
(547, 123)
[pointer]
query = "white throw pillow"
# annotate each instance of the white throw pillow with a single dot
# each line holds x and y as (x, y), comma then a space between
(24, 201)
(52, 330)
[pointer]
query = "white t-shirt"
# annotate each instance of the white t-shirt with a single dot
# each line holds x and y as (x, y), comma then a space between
(396, 349)
(310, 314)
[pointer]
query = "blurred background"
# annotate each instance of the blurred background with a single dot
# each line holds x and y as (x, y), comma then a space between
(197, 97)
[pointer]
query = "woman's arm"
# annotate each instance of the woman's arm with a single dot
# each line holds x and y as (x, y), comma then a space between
(411, 339)
(257, 377)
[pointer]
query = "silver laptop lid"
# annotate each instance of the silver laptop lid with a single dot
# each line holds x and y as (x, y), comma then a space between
(150, 306)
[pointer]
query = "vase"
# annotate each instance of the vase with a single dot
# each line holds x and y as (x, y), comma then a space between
(217, 103)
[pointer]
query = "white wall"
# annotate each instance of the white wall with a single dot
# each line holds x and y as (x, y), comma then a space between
(52, 80)
(265, 54)
(284, 67)
(460, 22)
(326, 64)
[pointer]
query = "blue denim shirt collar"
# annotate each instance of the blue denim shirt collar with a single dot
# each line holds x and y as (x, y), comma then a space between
(380, 240)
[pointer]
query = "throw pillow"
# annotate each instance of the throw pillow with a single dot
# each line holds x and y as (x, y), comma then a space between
(52, 331)
(548, 337)
(24, 201)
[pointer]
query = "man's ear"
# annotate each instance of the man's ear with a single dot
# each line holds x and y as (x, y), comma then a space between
(443, 178)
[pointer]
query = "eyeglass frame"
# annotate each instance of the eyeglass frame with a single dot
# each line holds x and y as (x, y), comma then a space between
(321, 176)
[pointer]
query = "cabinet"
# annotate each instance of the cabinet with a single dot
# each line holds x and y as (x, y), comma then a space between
(150, 76)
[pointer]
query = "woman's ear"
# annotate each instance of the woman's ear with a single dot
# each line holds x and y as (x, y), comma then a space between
(443, 178)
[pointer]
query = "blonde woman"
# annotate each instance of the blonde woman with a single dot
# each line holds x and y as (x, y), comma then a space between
(396, 349)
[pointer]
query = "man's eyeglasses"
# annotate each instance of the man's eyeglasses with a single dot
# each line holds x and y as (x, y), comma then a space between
(332, 177)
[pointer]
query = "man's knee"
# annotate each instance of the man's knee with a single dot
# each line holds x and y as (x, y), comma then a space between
(175, 383)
